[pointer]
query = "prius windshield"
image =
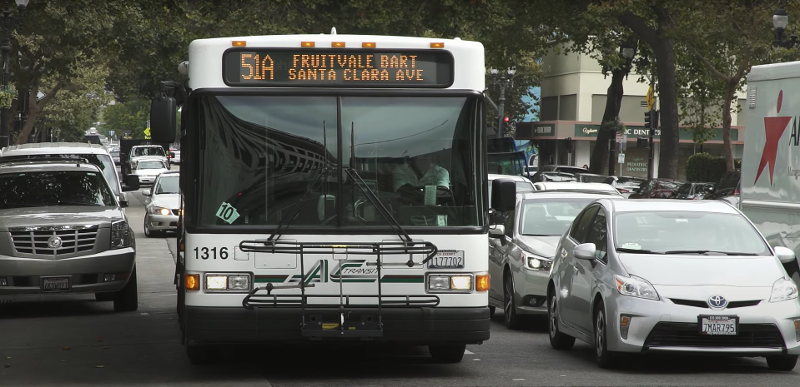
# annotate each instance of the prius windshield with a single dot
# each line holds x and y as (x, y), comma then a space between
(550, 217)
(261, 155)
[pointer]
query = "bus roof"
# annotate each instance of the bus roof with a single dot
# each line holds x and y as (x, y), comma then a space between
(206, 57)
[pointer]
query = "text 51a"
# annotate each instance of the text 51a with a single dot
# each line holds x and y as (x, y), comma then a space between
(210, 253)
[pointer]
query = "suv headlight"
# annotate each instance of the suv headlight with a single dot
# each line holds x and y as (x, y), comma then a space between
(160, 211)
(783, 290)
(119, 235)
(636, 287)
(535, 262)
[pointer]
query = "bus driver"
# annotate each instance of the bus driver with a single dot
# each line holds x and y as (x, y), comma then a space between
(407, 174)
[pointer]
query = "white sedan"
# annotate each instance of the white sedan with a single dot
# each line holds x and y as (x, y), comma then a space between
(163, 206)
(148, 169)
(672, 276)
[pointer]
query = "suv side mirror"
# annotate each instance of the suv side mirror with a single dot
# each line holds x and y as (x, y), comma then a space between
(131, 183)
(504, 194)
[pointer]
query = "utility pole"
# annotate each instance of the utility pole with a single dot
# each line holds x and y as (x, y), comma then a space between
(503, 81)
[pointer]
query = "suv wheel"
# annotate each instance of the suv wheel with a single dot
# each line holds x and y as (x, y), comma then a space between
(127, 299)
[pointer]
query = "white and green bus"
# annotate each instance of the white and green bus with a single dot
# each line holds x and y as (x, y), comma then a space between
(334, 189)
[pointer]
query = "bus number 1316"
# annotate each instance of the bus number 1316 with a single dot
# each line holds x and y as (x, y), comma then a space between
(213, 253)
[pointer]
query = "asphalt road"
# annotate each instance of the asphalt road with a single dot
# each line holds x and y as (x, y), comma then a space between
(76, 341)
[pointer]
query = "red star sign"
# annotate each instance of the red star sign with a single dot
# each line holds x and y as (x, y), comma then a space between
(773, 130)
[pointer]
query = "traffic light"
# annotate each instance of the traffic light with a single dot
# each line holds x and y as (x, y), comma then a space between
(506, 125)
(651, 119)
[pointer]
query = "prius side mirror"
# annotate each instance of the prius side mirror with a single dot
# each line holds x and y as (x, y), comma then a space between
(784, 254)
(585, 251)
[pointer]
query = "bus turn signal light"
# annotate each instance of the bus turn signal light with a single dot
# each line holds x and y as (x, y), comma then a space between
(306, 44)
(437, 45)
(238, 43)
(482, 282)
(192, 281)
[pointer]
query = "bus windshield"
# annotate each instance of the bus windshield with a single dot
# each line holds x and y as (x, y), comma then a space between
(261, 154)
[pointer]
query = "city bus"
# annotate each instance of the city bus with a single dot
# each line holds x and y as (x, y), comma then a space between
(334, 190)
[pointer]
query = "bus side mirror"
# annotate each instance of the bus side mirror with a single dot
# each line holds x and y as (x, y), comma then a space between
(504, 193)
(163, 112)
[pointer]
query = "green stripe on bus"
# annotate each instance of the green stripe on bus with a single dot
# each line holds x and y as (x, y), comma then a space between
(407, 279)
(271, 278)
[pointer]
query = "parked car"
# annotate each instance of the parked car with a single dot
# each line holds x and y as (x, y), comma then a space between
(521, 250)
(693, 191)
(147, 169)
(62, 230)
(727, 188)
(163, 204)
(563, 168)
(656, 188)
(553, 176)
(626, 185)
(174, 156)
(523, 184)
(591, 178)
(668, 276)
(577, 187)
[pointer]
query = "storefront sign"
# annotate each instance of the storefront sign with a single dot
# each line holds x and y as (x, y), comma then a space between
(583, 130)
(533, 130)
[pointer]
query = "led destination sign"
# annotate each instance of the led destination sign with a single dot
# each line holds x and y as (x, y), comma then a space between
(338, 67)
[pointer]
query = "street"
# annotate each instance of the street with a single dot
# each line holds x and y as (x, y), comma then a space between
(77, 341)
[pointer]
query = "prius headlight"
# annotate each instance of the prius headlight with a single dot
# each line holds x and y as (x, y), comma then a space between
(227, 282)
(783, 290)
(636, 287)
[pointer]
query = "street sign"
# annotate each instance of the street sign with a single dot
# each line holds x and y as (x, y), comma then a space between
(620, 137)
(621, 158)
(147, 133)
(651, 98)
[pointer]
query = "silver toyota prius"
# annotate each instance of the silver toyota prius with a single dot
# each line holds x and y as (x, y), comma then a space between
(672, 276)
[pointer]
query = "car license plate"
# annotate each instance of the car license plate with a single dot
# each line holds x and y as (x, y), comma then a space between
(55, 284)
(447, 259)
(718, 325)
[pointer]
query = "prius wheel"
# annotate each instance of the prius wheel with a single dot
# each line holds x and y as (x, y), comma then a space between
(513, 320)
(605, 359)
(558, 340)
(782, 363)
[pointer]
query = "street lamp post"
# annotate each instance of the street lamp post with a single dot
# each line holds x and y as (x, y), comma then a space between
(628, 50)
(780, 20)
(9, 22)
(503, 81)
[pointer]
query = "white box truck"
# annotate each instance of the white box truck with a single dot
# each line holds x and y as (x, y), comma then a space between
(770, 182)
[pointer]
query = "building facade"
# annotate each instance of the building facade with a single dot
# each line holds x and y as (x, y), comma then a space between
(573, 98)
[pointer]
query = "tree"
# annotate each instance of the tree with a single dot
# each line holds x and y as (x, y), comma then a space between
(77, 105)
(130, 116)
(735, 34)
(56, 41)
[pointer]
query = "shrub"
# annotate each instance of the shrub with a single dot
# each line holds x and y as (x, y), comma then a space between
(704, 167)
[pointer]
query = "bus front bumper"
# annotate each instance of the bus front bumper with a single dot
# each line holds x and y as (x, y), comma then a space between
(412, 326)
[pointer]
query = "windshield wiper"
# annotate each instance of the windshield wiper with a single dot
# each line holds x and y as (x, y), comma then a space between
(707, 251)
(69, 203)
(636, 251)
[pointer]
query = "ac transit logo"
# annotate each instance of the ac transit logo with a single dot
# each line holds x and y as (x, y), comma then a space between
(345, 271)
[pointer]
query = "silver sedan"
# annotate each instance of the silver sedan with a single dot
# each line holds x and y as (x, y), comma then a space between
(681, 277)
(521, 250)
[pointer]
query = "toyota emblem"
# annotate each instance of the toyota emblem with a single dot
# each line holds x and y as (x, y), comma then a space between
(717, 302)
(54, 242)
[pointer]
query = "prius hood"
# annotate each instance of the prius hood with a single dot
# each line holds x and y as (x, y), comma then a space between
(699, 270)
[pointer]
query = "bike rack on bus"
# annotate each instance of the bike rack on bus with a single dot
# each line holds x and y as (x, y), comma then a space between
(346, 327)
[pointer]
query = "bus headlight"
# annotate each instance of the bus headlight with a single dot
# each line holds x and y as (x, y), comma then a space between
(450, 282)
(227, 282)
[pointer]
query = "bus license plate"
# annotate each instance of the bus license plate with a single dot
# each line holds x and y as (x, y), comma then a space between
(55, 284)
(447, 259)
(718, 325)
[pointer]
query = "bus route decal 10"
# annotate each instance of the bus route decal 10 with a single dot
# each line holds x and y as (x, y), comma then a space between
(337, 68)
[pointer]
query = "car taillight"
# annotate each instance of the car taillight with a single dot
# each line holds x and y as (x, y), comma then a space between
(623, 190)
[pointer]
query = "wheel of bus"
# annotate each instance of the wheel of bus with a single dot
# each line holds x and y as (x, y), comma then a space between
(449, 353)
(491, 311)
(127, 299)
(200, 354)
(512, 319)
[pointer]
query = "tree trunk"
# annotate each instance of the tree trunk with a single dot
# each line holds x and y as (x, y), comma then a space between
(36, 107)
(607, 131)
(727, 147)
(667, 90)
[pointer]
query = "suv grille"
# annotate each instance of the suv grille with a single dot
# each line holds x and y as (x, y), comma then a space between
(54, 240)
(688, 335)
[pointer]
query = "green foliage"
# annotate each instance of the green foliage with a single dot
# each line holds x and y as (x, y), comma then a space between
(130, 116)
(7, 97)
(703, 167)
(76, 106)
